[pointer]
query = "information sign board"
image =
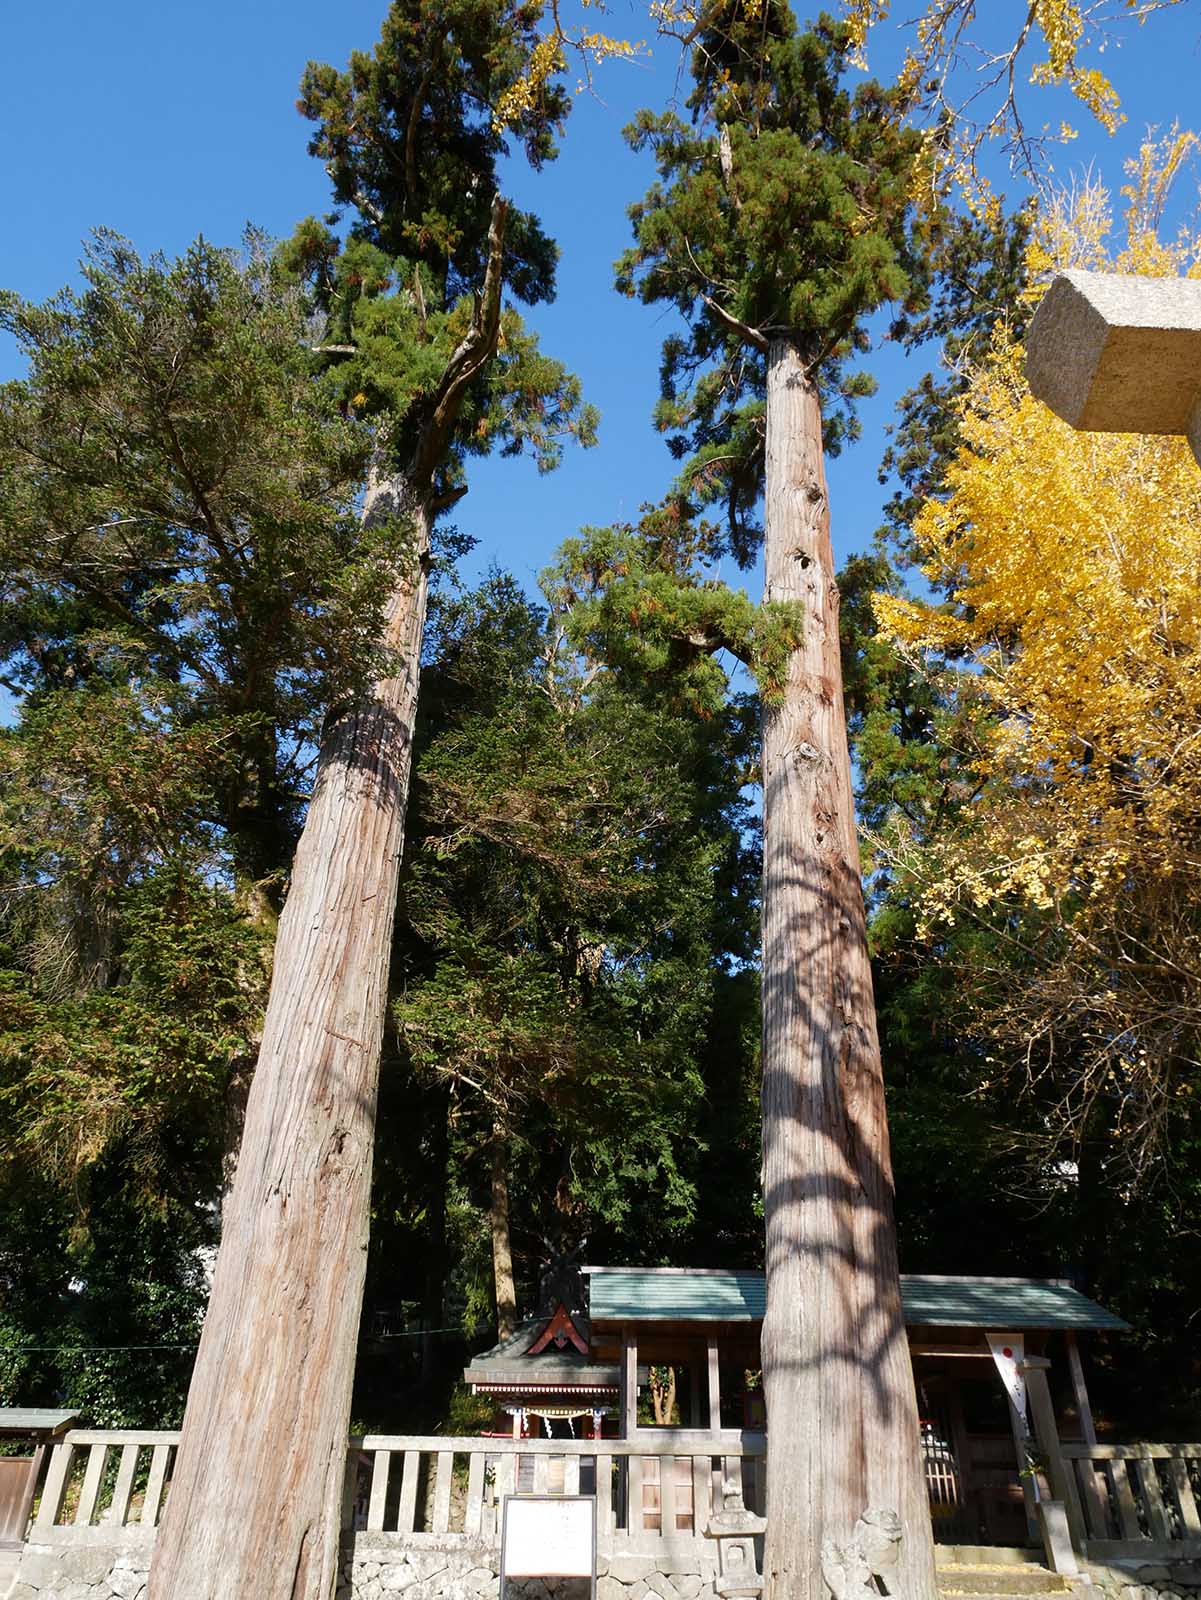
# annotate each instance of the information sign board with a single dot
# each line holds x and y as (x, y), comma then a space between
(548, 1536)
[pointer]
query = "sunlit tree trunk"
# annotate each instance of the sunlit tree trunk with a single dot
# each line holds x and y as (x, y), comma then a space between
(255, 1499)
(842, 1416)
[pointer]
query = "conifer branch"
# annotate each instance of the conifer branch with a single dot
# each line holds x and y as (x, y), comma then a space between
(450, 497)
(358, 198)
(472, 352)
(742, 329)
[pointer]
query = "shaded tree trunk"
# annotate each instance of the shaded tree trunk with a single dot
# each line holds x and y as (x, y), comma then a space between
(838, 1383)
(502, 1243)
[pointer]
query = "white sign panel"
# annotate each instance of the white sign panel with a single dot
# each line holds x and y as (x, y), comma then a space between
(548, 1536)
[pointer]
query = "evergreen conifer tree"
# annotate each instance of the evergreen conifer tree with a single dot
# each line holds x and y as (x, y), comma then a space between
(575, 880)
(413, 300)
(784, 216)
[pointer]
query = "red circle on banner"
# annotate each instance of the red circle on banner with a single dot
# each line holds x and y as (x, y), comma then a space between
(1007, 1351)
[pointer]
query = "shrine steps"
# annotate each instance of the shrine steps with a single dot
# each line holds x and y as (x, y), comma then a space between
(985, 1572)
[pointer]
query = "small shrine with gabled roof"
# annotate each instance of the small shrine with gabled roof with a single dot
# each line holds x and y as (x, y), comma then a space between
(545, 1377)
(589, 1364)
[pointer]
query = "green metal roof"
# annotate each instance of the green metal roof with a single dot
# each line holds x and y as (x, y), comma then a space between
(670, 1294)
(1003, 1303)
(21, 1419)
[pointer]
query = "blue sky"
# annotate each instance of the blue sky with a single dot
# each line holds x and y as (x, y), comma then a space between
(165, 120)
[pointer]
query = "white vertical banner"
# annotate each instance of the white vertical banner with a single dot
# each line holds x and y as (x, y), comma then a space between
(1008, 1350)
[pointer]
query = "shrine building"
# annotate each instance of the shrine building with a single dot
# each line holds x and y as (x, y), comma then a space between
(622, 1345)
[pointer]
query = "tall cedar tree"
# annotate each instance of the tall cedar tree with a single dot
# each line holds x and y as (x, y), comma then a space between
(407, 134)
(783, 218)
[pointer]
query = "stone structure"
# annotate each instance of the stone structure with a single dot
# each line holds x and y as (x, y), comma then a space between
(373, 1568)
(867, 1566)
(1144, 1580)
(734, 1530)
(92, 1570)
(378, 1567)
(1116, 353)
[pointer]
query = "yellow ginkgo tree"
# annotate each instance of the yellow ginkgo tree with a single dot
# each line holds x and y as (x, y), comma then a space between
(1071, 567)
(964, 70)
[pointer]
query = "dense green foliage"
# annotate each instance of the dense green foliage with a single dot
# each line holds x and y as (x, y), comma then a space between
(579, 904)
(177, 532)
(185, 587)
(407, 136)
(786, 211)
(579, 884)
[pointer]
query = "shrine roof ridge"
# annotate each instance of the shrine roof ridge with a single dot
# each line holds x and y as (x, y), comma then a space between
(684, 1294)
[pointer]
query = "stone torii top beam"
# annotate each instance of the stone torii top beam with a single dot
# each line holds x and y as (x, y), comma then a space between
(1111, 352)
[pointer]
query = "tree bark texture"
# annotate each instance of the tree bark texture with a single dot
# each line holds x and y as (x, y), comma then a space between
(502, 1243)
(838, 1382)
(663, 1394)
(255, 1500)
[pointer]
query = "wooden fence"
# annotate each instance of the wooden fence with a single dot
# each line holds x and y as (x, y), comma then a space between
(653, 1493)
(107, 1479)
(1136, 1499)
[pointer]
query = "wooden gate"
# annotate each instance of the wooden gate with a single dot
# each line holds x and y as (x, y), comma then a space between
(14, 1499)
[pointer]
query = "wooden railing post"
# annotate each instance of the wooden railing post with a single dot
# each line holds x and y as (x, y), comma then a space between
(1186, 1503)
(61, 1463)
(93, 1474)
(631, 1472)
(714, 1387)
(1157, 1516)
(1046, 1432)
(1084, 1410)
(20, 1522)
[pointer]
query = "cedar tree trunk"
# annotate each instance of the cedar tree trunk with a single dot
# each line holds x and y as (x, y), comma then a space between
(256, 1494)
(842, 1416)
(254, 1507)
(502, 1243)
(663, 1394)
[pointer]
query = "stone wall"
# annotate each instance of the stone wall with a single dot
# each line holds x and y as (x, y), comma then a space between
(89, 1569)
(1131, 1579)
(375, 1567)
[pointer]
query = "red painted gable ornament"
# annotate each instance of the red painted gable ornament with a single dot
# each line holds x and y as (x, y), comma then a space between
(559, 1331)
